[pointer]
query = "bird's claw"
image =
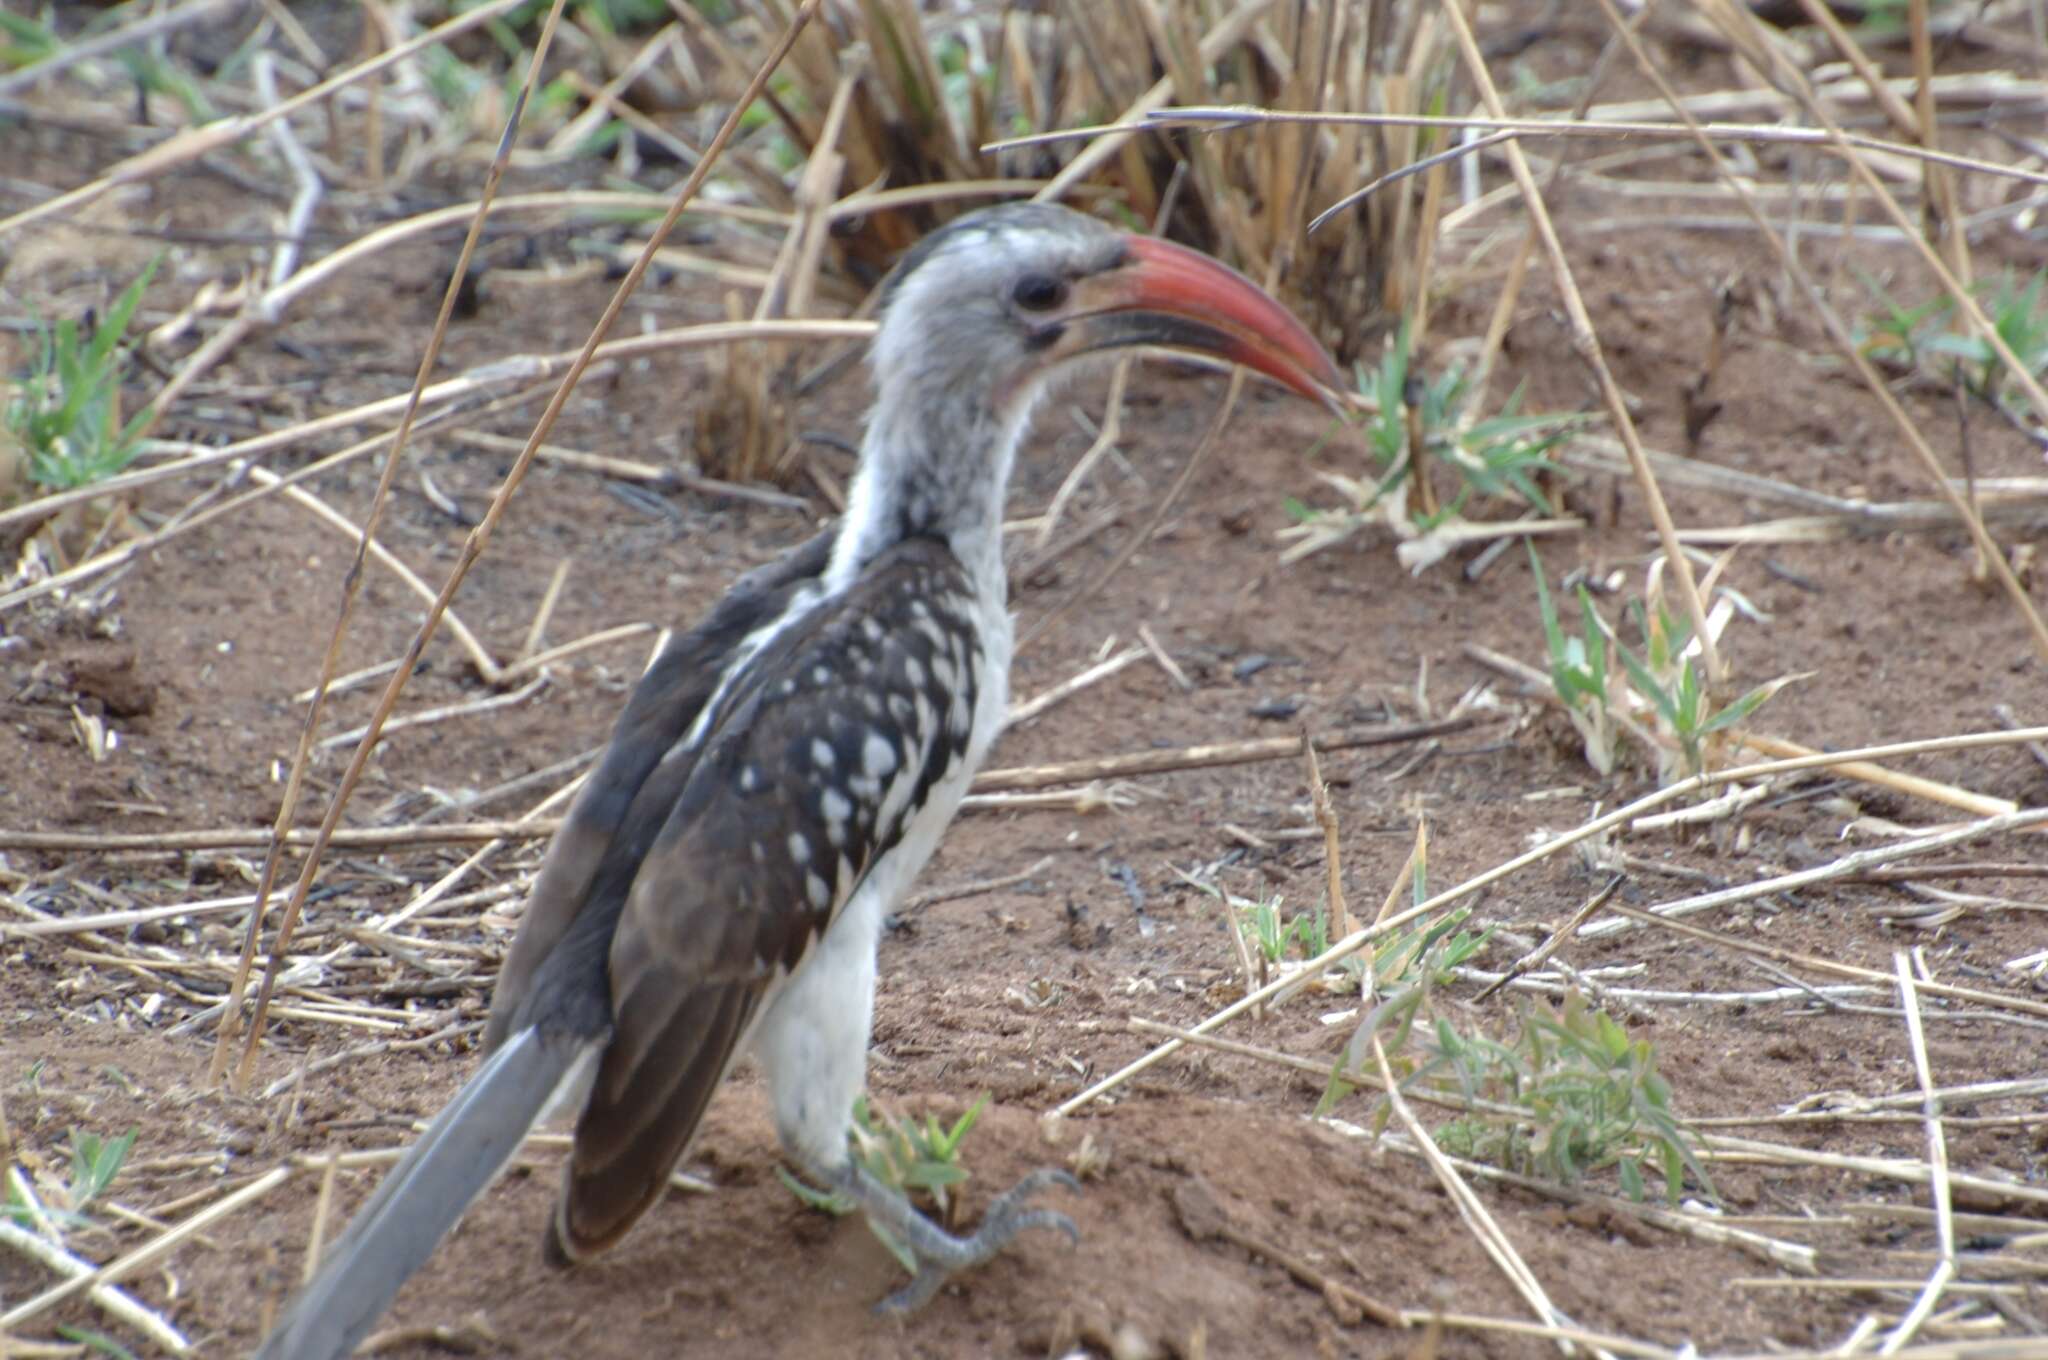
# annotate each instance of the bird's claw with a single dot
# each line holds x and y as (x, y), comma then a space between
(940, 1255)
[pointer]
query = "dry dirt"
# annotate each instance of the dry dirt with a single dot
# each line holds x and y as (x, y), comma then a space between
(1023, 991)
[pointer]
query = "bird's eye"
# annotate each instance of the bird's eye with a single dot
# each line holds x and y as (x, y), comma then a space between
(1039, 292)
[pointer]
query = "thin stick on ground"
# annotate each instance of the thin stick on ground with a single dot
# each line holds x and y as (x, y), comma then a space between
(1471, 1208)
(1937, 1159)
(145, 1255)
(1326, 819)
(426, 717)
(479, 538)
(195, 142)
(1535, 959)
(1209, 756)
(1844, 867)
(1816, 963)
(115, 1303)
(1839, 332)
(1030, 708)
(1358, 939)
(330, 662)
(1586, 342)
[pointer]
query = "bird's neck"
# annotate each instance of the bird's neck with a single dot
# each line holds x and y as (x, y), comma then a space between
(935, 465)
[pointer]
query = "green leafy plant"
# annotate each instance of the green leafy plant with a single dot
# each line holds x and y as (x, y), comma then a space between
(67, 411)
(1923, 337)
(1275, 935)
(1589, 1097)
(95, 1161)
(1579, 673)
(917, 1158)
(1571, 1094)
(1420, 424)
(1407, 968)
(1654, 696)
(24, 42)
(1668, 677)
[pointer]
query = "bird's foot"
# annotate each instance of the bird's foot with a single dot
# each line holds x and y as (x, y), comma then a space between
(940, 1254)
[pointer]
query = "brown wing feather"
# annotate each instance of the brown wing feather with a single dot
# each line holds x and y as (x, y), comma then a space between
(602, 818)
(719, 912)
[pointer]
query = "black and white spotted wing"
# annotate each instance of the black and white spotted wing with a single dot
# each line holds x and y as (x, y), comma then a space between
(817, 758)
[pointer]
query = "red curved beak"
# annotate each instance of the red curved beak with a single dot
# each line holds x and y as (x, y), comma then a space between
(1169, 295)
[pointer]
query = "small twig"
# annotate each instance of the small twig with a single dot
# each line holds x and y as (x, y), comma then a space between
(2010, 721)
(1234, 928)
(954, 891)
(1166, 663)
(113, 1302)
(1471, 1208)
(1105, 440)
(1206, 757)
(1834, 869)
(538, 629)
(1557, 938)
(427, 717)
(147, 1254)
(1326, 818)
(238, 838)
(1829, 966)
(1067, 689)
(317, 1234)
(1937, 1161)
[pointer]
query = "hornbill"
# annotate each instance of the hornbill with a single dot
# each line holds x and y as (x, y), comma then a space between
(783, 771)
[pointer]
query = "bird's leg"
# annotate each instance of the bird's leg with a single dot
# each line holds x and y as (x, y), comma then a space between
(940, 1254)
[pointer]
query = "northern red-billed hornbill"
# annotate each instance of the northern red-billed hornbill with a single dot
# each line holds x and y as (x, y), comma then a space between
(782, 773)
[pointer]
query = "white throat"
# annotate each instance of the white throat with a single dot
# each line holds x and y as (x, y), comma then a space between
(936, 467)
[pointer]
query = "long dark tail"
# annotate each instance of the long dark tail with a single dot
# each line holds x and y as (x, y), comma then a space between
(421, 1198)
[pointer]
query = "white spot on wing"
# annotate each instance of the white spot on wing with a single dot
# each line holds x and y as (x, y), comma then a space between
(820, 891)
(799, 847)
(878, 755)
(822, 754)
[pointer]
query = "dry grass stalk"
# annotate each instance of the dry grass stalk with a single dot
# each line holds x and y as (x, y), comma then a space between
(1326, 819)
(1537, 957)
(193, 143)
(1358, 939)
(1586, 342)
(1934, 791)
(1937, 1158)
(147, 1254)
(239, 838)
(1028, 709)
(1833, 869)
(473, 548)
(1904, 1171)
(115, 1303)
(330, 664)
(368, 547)
(1996, 1000)
(1478, 1220)
(1209, 755)
(1739, 22)
(429, 716)
(1603, 122)
(1796, 1257)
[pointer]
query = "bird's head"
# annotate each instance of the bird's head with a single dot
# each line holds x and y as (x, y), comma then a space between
(1001, 300)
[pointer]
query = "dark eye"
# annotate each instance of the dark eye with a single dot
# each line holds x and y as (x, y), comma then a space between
(1039, 292)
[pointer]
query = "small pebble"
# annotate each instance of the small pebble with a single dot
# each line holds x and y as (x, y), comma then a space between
(1276, 710)
(1248, 666)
